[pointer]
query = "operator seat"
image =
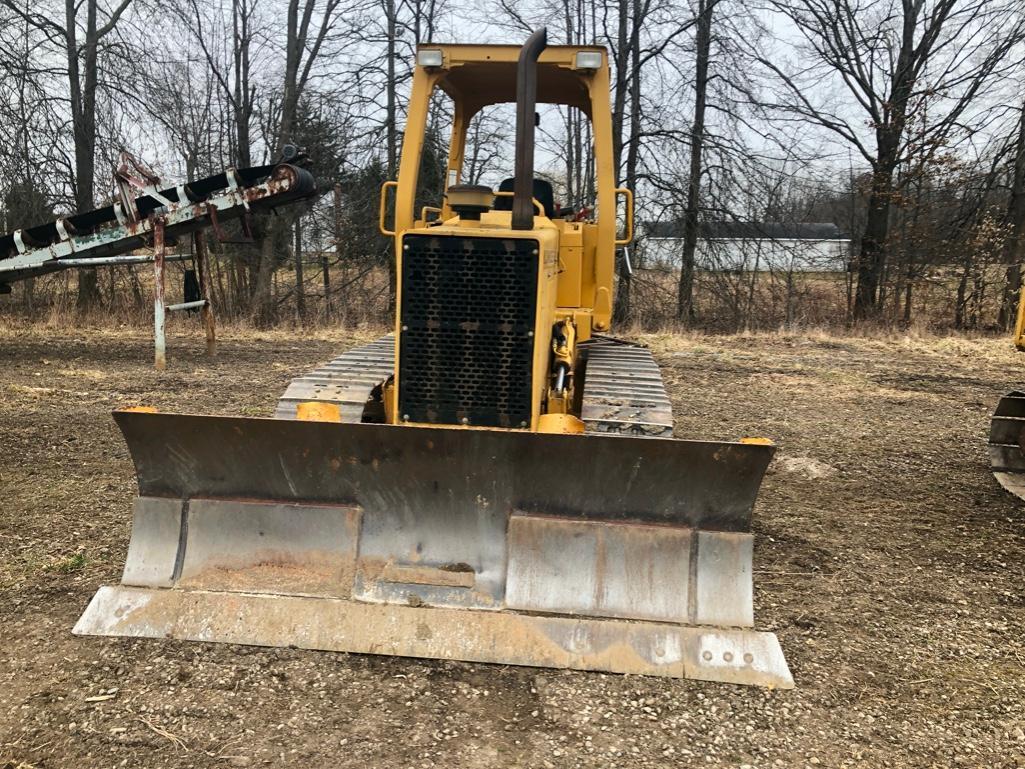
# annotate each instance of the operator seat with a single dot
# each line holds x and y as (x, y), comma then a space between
(542, 191)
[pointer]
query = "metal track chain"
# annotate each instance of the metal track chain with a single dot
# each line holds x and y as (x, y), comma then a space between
(346, 381)
(1005, 455)
(623, 390)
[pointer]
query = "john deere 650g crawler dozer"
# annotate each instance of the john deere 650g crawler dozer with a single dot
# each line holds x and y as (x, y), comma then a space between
(495, 481)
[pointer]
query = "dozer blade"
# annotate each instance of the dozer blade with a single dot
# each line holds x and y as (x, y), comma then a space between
(1006, 457)
(591, 552)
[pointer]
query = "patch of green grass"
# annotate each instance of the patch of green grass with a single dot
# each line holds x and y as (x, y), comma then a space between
(69, 563)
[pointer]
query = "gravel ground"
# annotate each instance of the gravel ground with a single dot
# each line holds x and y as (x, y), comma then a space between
(887, 559)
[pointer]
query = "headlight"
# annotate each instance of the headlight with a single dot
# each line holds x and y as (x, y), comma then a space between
(587, 60)
(429, 57)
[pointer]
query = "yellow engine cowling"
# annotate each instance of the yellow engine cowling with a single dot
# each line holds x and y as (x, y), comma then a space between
(476, 308)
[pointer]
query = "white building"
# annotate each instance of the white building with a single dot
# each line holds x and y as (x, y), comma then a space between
(749, 246)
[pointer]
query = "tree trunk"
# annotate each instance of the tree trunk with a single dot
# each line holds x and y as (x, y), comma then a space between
(620, 62)
(1014, 247)
(264, 311)
(28, 295)
(296, 73)
(685, 292)
(138, 302)
(572, 130)
(242, 98)
(1010, 297)
(749, 306)
(325, 267)
(83, 125)
(622, 312)
(872, 257)
(961, 302)
(392, 140)
(788, 311)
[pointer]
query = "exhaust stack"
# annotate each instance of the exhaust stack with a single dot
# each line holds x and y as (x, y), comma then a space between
(526, 102)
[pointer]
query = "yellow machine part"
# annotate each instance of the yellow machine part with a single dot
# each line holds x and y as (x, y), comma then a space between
(477, 76)
(561, 423)
(316, 411)
(1019, 324)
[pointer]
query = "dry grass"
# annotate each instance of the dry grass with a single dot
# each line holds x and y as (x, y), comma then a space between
(887, 560)
(358, 296)
(800, 303)
(180, 330)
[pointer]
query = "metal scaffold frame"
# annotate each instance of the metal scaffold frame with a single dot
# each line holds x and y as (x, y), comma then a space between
(161, 308)
(142, 216)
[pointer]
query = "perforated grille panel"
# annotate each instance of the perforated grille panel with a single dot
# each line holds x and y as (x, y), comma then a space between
(466, 349)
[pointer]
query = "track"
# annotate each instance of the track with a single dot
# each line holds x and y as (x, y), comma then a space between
(1005, 452)
(623, 389)
(346, 381)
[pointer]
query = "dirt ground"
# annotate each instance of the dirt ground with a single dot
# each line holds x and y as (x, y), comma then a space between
(887, 559)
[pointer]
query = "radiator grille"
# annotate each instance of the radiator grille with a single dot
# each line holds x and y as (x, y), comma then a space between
(466, 348)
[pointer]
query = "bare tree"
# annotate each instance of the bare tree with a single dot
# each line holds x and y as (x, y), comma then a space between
(633, 52)
(185, 106)
(485, 138)
(622, 310)
(86, 25)
(703, 39)
(227, 47)
(897, 61)
(307, 29)
(1014, 247)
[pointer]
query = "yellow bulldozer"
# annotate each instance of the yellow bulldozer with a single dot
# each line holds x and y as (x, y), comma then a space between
(495, 481)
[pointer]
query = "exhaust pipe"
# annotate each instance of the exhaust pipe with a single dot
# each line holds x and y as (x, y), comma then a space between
(526, 101)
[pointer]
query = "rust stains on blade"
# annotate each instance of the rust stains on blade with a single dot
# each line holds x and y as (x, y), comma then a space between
(270, 548)
(403, 472)
(640, 648)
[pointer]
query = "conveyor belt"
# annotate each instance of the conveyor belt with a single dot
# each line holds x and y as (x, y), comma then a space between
(113, 231)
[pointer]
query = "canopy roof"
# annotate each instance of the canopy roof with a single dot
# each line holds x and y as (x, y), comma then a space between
(492, 77)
